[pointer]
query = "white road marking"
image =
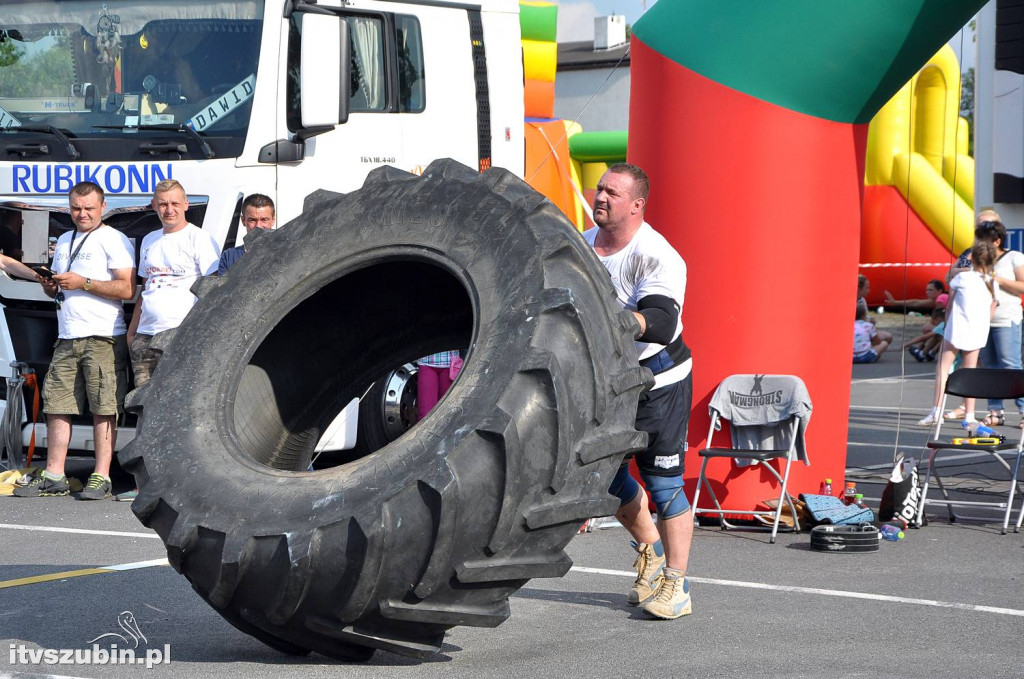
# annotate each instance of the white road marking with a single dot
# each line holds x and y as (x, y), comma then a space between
(824, 592)
(896, 409)
(941, 459)
(82, 531)
(891, 380)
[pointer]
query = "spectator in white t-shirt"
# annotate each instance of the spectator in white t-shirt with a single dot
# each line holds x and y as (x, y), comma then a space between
(1003, 348)
(170, 261)
(93, 272)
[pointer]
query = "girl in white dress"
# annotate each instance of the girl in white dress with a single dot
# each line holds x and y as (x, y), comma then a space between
(971, 305)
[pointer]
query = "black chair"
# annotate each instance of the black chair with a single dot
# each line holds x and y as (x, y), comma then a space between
(976, 383)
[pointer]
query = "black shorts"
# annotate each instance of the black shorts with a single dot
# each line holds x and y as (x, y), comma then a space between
(665, 415)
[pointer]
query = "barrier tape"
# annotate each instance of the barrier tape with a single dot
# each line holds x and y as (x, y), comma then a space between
(875, 265)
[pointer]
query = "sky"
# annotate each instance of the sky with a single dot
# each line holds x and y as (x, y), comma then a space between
(576, 17)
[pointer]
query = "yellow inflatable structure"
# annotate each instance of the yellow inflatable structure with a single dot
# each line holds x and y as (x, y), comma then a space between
(917, 157)
(549, 169)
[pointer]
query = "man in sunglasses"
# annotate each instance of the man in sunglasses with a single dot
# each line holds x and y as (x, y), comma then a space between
(93, 272)
(257, 213)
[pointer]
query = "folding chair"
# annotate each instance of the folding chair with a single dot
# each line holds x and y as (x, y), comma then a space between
(976, 383)
(766, 415)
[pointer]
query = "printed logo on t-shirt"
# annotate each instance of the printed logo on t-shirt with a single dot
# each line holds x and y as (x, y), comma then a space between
(666, 461)
(756, 398)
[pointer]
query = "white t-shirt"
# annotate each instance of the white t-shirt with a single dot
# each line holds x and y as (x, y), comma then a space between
(967, 318)
(863, 331)
(83, 314)
(648, 265)
(171, 263)
(1009, 310)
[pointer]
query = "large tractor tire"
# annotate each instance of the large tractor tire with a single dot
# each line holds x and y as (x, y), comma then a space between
(439, 527)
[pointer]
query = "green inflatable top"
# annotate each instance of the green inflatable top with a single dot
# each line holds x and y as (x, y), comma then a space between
(538, 22)
(598, 147)
(837, 60)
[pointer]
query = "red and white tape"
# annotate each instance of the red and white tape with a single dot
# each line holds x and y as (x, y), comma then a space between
(876, 265)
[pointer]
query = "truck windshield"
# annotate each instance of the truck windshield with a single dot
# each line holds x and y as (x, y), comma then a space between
(96, 69)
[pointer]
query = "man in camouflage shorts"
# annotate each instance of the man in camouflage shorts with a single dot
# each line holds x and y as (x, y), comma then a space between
(93, 273)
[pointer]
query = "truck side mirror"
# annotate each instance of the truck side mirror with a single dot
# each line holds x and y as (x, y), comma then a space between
(325, 70)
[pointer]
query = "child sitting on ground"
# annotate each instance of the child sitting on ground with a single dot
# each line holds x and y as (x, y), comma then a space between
(863, 288)
(867, 345)
(925, 347)
(970, 309)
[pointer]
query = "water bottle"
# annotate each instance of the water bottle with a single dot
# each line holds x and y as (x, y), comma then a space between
(826, 487)
(982, 430)
(890, 532)
(968, 426)
(858, 500)
(849, 493)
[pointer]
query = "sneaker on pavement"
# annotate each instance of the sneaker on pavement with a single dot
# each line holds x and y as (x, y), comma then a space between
(928, 420)
(97, 488)
(917, 354)
(127, 496)
(42, 486)
(649, 567)
(672, 599)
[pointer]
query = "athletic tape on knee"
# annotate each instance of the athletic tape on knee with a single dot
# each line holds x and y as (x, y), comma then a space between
(667, 494)
(624, 486)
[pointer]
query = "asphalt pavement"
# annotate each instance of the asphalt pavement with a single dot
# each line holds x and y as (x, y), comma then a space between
(944, 602)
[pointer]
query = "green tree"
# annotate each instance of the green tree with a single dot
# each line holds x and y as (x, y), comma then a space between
(46, 73)
(967, 105)
(9, 53)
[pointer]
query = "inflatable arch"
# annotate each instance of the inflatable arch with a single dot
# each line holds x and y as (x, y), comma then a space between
(751, 120)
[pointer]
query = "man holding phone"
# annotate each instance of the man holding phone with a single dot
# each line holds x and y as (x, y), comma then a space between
(93, 273)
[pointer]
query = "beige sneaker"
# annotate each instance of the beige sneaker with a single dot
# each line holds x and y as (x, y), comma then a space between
(672, 599)
(649, 567)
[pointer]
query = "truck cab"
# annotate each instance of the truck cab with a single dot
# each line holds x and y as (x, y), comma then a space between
(280, 97)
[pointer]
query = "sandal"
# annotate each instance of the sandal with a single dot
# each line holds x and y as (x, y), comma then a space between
(995, 418)
(957, 413)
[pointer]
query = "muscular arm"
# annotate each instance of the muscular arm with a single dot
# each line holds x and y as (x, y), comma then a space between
(658, 316)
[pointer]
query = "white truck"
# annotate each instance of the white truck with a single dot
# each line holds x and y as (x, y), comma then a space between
(280, 97)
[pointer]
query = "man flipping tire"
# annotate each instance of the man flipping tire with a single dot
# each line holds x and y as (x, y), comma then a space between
(650, 280)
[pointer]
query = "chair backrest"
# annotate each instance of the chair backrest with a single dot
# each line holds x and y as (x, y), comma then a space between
(995, 383)
(760, 399)
(764, 412)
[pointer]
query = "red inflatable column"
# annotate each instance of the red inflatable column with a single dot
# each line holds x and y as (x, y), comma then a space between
(763, 203)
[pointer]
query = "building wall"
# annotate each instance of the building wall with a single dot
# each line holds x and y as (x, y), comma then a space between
(998, 138)
(610, 108)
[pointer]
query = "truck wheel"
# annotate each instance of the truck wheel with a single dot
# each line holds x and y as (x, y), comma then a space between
(388, 410)
(439, 527)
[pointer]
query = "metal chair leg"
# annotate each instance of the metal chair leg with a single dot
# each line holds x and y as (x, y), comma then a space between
(696, 495)
(1013, 488)
(924, 488)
